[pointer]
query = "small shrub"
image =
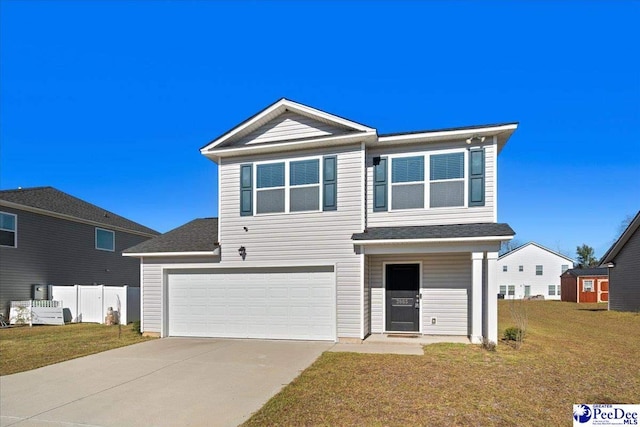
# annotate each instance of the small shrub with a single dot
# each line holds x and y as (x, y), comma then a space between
(513, 334)
(135, 327)
(488, 345)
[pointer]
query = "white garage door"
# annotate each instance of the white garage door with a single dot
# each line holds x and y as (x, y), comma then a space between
(264, 303)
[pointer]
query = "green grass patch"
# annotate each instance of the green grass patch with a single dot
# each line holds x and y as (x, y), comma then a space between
(23, 348)
(572, 353)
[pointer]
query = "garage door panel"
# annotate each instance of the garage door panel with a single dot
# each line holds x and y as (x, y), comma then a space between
(278, 305)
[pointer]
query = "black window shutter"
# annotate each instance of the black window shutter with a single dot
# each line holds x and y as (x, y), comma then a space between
(476, 177)
(329, 183)
(380, 185)
(246, 190)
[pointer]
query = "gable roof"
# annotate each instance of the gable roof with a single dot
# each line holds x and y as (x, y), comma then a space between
(272, 112)
(539, 246)
(613, 251)
(51, 201)
(197, 236)
(580, 272)
(428, 232)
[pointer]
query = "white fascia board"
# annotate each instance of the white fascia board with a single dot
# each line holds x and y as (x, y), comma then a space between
(74, 219)
(285, 104)
(432, 240)
(447, 134)
(170, 254)
(290, 145)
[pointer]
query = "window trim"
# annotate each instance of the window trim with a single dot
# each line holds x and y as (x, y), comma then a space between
(113, 234)
(14, 231)
(584, 281)
(287, 185)
(551, 288)
(541, 270)
(505, 269)
(511, 290)
(521, 268)
(427, 178)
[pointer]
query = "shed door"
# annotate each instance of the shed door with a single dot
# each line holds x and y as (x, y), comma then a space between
(257, 303)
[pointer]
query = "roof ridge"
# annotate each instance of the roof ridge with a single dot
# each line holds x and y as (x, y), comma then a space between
(12, 190)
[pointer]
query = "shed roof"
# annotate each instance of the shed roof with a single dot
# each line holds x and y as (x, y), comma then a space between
(579, 272)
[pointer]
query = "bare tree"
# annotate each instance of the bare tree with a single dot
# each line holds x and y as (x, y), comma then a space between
(509, 245)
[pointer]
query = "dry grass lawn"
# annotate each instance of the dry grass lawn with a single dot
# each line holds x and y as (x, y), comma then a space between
(572, 354)
(23, 348)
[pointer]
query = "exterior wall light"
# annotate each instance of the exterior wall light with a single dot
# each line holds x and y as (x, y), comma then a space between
(242, 251)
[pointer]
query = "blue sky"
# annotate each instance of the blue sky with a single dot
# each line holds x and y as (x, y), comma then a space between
(110, 101)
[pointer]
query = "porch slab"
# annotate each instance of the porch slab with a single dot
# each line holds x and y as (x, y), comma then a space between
(415, 339)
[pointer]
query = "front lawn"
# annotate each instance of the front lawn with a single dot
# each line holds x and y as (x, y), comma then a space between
(572, 354)
(23, 348)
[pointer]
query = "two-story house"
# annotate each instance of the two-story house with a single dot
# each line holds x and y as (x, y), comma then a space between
(329, 231)
(531, 270)
(48, 237)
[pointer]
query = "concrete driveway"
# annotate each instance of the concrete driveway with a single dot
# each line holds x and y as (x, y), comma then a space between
(166, 382)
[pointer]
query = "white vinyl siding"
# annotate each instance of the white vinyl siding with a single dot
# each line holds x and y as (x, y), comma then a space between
(448, 307)
(446, 272)
(290, 126)
(427, 215)
(302, 237)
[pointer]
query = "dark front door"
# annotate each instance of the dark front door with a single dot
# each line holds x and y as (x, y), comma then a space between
(403, 300)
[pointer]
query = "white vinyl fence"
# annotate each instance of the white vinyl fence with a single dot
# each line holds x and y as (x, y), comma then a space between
(90, 303)
(36, 312)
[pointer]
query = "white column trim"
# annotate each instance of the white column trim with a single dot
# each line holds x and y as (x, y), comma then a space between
(476, 297)
(492, 297)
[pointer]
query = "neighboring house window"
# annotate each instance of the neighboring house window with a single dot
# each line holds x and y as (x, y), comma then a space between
(503, 289)
(446, 186)
(552, 290)
(512, 290)
(527, 290)
(564, 268)
(105, 239)
(407, 182)
(587, 286)
(504, 268)
(538, 270)
(520, 268)
(8, 230)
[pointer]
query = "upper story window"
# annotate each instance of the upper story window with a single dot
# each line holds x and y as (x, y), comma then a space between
(407, 182)
(504, 268)
(538, 270)
(564, 268)
(447, 180)
(105, 240)
(429, 180)
(520, 268)
(8, 229)
(289, 186)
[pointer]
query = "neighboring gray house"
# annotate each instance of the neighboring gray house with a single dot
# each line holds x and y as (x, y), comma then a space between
(48, 237)
(623, 260)
(328, 230)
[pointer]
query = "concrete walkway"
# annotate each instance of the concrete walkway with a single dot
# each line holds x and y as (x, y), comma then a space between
(396, 344)
(167, 382)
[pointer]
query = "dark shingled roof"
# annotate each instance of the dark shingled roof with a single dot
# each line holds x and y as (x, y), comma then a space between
(55, 201)
(199, 235)
(449, 129)
(435, 231)
(587, 271)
